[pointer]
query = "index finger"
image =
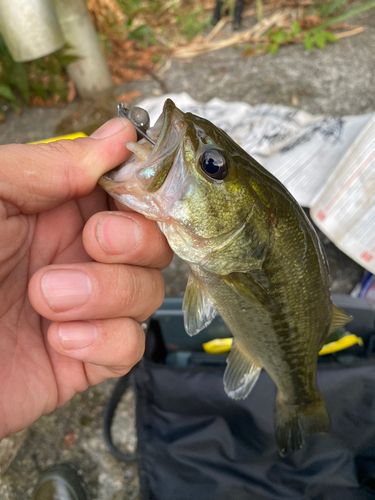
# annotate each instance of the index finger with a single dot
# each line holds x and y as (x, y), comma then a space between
(126, 237)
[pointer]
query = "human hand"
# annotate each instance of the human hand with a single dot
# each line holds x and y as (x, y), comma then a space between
(75, 280)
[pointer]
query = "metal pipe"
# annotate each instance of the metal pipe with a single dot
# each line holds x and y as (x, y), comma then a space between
(89, 72)
(30, 28)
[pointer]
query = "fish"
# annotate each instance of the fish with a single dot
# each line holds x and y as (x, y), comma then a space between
(254, 257)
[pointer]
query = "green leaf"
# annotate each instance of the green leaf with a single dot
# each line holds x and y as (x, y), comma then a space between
(7, 93)
(143, 34)
(15, 106)
(58, 86)
(280, 37)
(273, 48)
(331, 37)
(67, 59)
(3, 48)
(296, 28)
(17, 78)
(355, 11)
(329, 8)
(38, 90)
(320, 40)
(308, 43)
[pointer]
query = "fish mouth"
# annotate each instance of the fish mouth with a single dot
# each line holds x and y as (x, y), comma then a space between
(166, 121)
(149, 165)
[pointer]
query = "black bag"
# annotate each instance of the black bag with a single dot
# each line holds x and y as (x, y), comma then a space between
(195, 443)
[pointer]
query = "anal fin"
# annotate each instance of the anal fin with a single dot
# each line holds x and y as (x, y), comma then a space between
(240, 374)
(199, 311)
(339, 318)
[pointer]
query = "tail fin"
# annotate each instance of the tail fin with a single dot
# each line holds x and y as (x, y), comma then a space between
(294, 422)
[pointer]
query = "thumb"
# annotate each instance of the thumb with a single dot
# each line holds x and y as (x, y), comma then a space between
(38, 177)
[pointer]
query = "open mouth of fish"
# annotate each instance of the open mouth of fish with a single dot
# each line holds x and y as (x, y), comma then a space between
(150, 164)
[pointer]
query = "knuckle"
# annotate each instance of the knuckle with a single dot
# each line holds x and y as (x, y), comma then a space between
(134, 288)
(65, 154)
(157, 288)
(135, 344)
(134, 291)
(124, 288)
(59, 147)
(145, 288)
(153, 295)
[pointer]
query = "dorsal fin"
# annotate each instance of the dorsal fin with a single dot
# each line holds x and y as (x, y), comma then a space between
(339, 318)
(198, 309)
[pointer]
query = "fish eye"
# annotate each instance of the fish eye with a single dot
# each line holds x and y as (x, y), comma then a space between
(214, 164)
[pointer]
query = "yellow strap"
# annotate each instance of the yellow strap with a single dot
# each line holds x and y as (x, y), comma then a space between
(221, 346)
(61, 137)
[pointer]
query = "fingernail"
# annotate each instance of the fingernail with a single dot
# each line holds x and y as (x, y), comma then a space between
(109, 128)
(118, 234)
(77, 334)
(66, 288)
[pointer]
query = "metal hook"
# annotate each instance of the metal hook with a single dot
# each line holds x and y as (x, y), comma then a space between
(124, 113)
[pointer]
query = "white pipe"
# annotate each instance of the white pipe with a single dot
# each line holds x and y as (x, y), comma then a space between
(89, 72)
(30, 28)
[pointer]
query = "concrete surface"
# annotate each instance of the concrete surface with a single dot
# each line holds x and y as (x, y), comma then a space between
(338, 81)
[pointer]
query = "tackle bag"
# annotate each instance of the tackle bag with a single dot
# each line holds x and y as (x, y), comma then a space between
(194, 443)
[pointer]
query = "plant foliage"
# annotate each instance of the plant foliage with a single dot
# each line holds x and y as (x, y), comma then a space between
(42, 81)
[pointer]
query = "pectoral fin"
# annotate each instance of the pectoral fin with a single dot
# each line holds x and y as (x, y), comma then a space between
(240, 374)
(339, 318)
(199, 311)
(244, 285)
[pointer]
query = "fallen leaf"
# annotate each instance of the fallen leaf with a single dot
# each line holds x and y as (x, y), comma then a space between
(128, 96)
(69, 439)
(116, 80)
(309, 22)
(248, 52)
(71, 91)
(38, 102)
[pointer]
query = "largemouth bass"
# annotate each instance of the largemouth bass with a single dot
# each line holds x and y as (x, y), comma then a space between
(254, 258)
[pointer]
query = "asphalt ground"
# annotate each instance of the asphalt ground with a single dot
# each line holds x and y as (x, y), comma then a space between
(336, 81)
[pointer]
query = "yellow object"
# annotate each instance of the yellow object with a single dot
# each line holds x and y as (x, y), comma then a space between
(61, 137)
(217, 346)
(339, 345)
(221, 346)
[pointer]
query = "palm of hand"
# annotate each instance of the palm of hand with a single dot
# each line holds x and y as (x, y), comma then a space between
(34, 378)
